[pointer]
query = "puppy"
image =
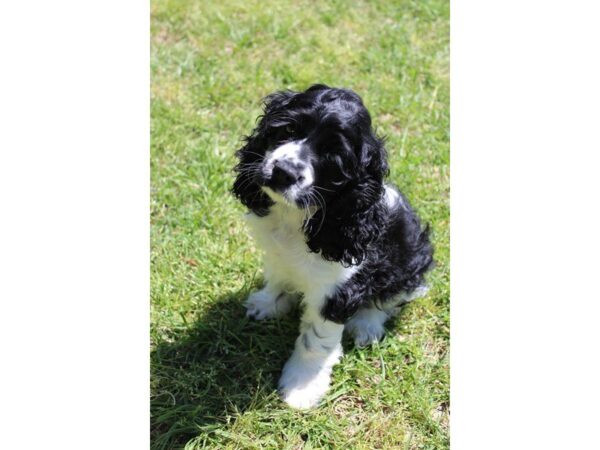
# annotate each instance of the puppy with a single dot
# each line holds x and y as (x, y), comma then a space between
(312, 177)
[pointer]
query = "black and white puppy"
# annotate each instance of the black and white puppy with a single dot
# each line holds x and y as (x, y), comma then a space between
(312, 176)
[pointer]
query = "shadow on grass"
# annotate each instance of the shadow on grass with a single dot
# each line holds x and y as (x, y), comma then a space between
(220, 366)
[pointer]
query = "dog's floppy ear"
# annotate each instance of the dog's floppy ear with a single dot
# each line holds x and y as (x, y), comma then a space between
(355, 217)
(251, 154)
(245, 187)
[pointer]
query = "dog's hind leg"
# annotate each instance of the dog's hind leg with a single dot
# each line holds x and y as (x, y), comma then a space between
(367, 325)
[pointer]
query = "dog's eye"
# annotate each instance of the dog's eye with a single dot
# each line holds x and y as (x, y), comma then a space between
(291, 129)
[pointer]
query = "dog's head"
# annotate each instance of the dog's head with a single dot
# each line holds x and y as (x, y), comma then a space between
(316, 150)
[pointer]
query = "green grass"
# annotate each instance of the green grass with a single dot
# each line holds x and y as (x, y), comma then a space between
(214, 373)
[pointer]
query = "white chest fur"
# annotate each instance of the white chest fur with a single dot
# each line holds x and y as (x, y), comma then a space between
(287, 257)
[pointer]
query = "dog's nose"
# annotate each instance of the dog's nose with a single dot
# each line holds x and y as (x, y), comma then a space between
(284, 174)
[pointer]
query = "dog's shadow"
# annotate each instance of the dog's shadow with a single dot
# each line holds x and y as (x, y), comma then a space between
(218, 367)
(221, 365)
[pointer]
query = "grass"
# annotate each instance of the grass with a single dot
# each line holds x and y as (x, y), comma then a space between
(214, 373)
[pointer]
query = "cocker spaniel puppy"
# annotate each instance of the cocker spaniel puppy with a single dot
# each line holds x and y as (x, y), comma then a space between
(334, 234)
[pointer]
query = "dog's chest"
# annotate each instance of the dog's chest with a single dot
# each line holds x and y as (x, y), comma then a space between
(280, 236)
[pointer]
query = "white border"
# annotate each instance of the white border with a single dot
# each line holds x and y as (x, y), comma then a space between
(74, 232)
(524, 220)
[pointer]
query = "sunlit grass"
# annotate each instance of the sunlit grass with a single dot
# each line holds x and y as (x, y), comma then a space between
(213, 373)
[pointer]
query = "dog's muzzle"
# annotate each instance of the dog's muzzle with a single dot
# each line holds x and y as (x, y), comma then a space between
(285, 174)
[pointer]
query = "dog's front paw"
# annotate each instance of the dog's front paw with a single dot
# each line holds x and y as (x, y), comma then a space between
(304, 381)
(264, 304)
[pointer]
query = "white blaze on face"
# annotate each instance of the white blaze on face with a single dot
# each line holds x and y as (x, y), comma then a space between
(290, 152)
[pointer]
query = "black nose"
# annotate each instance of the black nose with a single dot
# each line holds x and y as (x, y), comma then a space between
(284, 174)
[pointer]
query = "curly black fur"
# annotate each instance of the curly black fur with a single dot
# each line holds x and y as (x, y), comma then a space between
(397, 262)
(353, 224)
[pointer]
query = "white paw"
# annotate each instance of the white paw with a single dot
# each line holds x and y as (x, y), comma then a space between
(304, 381)
(404, 298)
(366, 333)
(367, 326)
(266, 305)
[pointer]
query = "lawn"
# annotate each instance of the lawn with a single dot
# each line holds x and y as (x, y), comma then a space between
(214, 373)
